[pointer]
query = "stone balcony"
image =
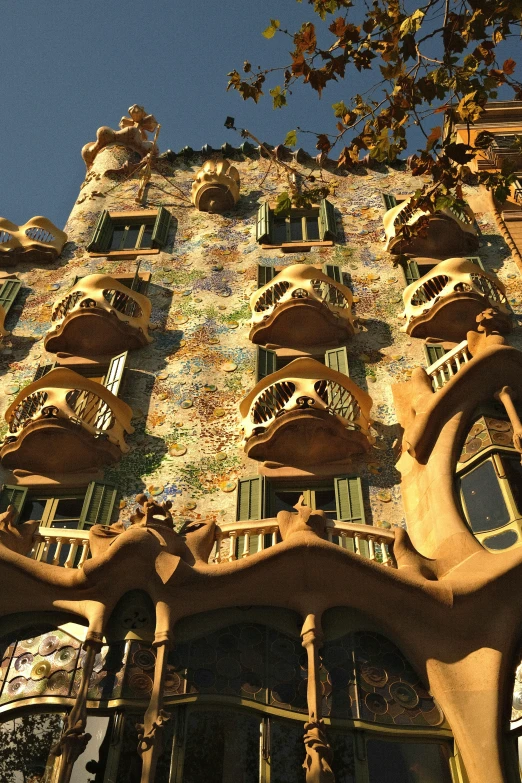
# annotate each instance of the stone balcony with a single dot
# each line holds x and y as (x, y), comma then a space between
(37, 241)
(64, 423)
(99, 316)
(301, 306)
(446, 232)
(445, 302)
(306, 414)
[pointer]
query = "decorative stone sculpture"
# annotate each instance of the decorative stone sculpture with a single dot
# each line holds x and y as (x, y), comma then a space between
(216, 187)
(38, 241)
(132, 134)
(305, 520)
(17, 538)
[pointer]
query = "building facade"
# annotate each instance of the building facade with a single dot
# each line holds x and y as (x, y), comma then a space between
(261, 507)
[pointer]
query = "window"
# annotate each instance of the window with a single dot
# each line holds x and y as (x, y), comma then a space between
(110, 375)
(117, 232)
(299, 226)
(9, 290)
(268, 361)
(267, 273)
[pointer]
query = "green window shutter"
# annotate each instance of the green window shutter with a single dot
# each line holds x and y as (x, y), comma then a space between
(8, 293)
(114, 376)
(411, 272)
(333, 271)
(266, 362)
(14, 496)
(337, 359)
(250, 498)
(160, 232)
(102, 236)
(327, 221)
(253, 545)
(136, 280)
(434, 353)
(389, 200)
(349, 500)
(264, 275)
(98, 505)
(476, 260)
(263, 223)
(42, 370)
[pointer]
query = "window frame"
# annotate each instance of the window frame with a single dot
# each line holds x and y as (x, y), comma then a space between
(325, 213)
(100, 243)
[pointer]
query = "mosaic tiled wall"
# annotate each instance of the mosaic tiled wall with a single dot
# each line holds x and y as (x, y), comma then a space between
(185, 387)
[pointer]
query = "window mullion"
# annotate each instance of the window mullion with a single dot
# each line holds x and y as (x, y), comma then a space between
(288, 230)
(140, 235)
(304, 232)
(49, 512)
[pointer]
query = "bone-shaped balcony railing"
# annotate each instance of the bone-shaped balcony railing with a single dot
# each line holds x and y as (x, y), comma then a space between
(243, 539)
(405, 214)
(104, 293)
(300, 282)
(38, 239)
(305, 384)
(452, 279)
(64, 394)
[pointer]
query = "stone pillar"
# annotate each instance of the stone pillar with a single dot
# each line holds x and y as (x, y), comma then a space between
(151, 732)
(318, 753)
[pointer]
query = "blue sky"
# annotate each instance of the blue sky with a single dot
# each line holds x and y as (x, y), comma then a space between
(69, 66)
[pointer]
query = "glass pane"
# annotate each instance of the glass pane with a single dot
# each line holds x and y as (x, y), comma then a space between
(94, 757)
(68, 508)
(35, 734)
(325, 500)
(279, 231)
(146, 239)
(222, 747)
(117, 238)
(296, 229)
(129, 767)
(131, 237)
(287, 752)
(407, 762)
(33, 509)
(285, 501)
(312, 228)
(483, 497)
(343, 764)
(513, 470)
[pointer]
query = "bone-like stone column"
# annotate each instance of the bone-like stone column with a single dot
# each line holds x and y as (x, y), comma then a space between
(505, 395)
(74, 740)
(151, 732)
(318, 753)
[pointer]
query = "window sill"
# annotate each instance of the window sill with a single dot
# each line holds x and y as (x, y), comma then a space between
(126, 253)
(298, 247)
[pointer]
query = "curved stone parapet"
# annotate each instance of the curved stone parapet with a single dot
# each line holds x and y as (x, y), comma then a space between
(37, 241)
(301, 306)
(99, 316)
(446, 301)
(306, 414)
(65, 423)
(216, 187)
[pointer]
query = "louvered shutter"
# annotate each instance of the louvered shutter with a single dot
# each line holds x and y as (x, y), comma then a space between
(14, 496)
(333, 271)
(264, 275)
(253, 545)
(389, 200)
(114, 376)
(98, 505)
(266, 362)
(350, 508)
(102, 236)
(434, 353)
(8, 293)
(475, 260)
(136, 280)
(160, 232)
(411, 272)
(42, 370)
(263, 222)
(327, 221)
(337, 359)
(250, 498)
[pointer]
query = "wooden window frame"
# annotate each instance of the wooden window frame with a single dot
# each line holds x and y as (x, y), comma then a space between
(326, 220)
(100, 244)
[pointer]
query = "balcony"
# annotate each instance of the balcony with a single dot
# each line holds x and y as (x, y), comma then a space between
(99, 317)
(244, 539)
(306, 414)
(448, 365)
(445, 302)
(505, 147)
(448, 232)
(37, 241)
(301, 306)
(64, 423)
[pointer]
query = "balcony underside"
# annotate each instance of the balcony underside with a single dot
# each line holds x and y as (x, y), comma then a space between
(302, 322)
(443, 238)
(214, 198)
(94, 332)
(304, 438)
(449, 318)
(34, 255)
(52, 446)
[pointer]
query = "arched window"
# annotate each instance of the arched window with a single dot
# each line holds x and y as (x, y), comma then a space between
(490, 481)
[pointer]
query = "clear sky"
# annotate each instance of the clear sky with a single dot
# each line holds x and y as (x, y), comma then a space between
(70, 66)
